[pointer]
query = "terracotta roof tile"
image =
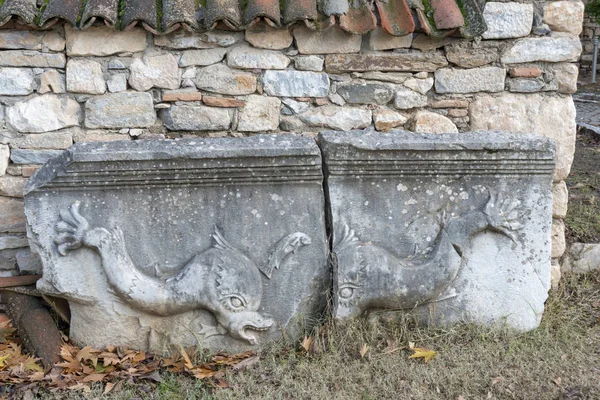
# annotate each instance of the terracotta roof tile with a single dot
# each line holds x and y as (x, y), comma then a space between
(398, 17)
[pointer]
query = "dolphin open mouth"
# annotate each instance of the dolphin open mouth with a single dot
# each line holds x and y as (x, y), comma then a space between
(248, 330)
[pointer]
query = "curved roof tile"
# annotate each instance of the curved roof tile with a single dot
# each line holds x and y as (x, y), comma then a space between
(398, 17)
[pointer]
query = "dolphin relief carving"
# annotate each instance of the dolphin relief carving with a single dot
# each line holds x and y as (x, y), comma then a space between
(221, 279)
(369, 277)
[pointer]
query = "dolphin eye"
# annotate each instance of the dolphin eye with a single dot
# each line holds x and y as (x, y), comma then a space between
(346, 292)
(236, 302)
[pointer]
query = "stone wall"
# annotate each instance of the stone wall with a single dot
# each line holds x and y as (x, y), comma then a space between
(63, 85)
(590, 28)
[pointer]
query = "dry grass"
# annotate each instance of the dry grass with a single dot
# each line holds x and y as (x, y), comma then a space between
(559, 360)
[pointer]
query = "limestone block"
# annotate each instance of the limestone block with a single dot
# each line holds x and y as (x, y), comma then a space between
(53, 41)
(117, 83)
(20, 40)
(428, 61)
(264, 36)
(409, 232)
(16, 81)
(564, 16)
(566, 76)
(183, 39)
(559, 244)
(380, 39)
(120, 110)
(386, 119)
(507, 20)
(365, 93)
(549, 116)
(419, 85)
(50, 140)
(309, 63)
(430, 122)
(560, 199)
(393, 77)
(406, 99)
(13, 242)
(218, 240)
(85, 76)
(334, 117)
(552, 49)
(484, 79)
(555, 273)
(472, 55)
(331, 41)
(12, 186)
(220, 78)
(12, 217)
(4, 158)
(161, 71)
(260, 114)
(28, 262)
(26, 156)
(52, 81)
(104, 41)
(582, 258)
(197, 118)
(295, 83)
(28, 58)
(524, 85)
(44, 114)
(245, 56)
(202, 57)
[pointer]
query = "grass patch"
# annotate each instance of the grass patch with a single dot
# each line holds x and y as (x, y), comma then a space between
(559, 360)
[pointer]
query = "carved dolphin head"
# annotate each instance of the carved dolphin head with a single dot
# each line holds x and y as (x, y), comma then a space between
(350, 283)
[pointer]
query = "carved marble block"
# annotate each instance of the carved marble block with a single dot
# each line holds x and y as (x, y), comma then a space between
(455, 226)
(213, 242)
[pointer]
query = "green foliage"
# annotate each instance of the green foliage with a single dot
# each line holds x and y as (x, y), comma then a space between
(593, 9)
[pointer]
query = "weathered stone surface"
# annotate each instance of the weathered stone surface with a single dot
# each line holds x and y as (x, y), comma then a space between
(98, 136)
(264, 36)
(366, 93)
(457, 113)
(245, 56)
(525, 72)
(297, 107)
(331, 41)
(159, 71)
(12, 217)
(473, 55)
(220, 78)
(406, 99)
(560, 199)
(85, 76)
(28, 58)
(309, 63)
(53, 41)
(28, 262)
(334, 117)
(50, 140)
(551, 49)
(524, 85)
(260, 114)
(401, 62)
(104, 41)
(380, 39)
(455, 264)
(564, 16)
(394, 77)
(4, 158)
(295, 83)
(548, 116)
(507, 20)
(26, 156)
(20, 39)
(117, 83)
(181, 95)
(484, 79)
(13, 242)
(183, 39)
(16, 81)
(566, 76)
(222, 102)
(52, 81)
(419, 85)
(582, 258)
(430, 122)
(386, 119)
(12, 186)
(43, 114)
(197, 118)
(202, 57)
(426, 42)
(559, 244)
(120, 110)
(249, 212)
(555, 273)
(449, 103)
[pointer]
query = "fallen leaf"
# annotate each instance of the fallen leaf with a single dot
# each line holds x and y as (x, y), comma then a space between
(247, 363)
(203, 373)
(188, 362)
(307, 343)
(6, 330)
(108, 388)
(424, 353)
(153, 376)
(557, 380)
(363, 350)
(94, 378)
(31, 365)
(497, 380)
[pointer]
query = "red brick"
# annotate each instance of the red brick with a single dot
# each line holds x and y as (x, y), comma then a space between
(522, 72)
(223, 102)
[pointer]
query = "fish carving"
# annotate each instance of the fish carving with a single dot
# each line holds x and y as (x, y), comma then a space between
(220, 279)
(370, 277)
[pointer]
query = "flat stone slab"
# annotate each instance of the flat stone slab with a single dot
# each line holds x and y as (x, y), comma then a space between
(455, 226)
(213, 242)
